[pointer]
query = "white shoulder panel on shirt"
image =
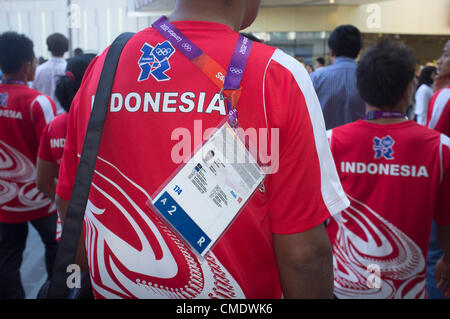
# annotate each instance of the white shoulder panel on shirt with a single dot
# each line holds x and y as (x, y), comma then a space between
(332, 191)
(439, 106)
(46, 107)
(445, 140)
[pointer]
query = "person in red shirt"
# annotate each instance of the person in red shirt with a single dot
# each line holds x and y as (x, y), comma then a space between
(53, 138)
(24, 113)
(278, 244)
(397, 176)
(439, 119)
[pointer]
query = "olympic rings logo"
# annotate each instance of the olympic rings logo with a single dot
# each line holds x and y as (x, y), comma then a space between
(236, 70)
(163, 51)
(187, 46)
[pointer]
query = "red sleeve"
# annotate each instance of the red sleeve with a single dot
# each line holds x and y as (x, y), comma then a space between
(442, 212)
(443, 124)
(307, 190)
(43, 111)
(44, 151)
(438, 117)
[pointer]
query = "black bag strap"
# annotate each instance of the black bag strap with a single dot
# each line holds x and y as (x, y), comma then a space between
(73, 225)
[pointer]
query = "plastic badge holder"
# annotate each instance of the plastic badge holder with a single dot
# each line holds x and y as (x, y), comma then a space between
(203, 197)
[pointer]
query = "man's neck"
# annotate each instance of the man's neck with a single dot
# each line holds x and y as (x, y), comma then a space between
(387, 120)
(210, 11)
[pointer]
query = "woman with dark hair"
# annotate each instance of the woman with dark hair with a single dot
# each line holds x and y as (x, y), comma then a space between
(424, 93)
(53, 138)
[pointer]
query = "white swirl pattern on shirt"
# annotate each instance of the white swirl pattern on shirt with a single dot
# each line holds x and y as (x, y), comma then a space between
(17, 181)
(401, 261)
(121, 270)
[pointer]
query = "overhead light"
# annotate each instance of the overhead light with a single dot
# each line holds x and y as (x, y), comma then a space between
(291, 36)
(331, 1)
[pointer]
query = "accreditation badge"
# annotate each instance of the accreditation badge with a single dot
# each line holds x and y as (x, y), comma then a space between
(202, 199)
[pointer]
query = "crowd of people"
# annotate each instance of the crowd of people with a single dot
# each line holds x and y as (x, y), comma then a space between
(357, 207)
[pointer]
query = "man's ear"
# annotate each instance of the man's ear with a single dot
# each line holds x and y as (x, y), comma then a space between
(25, 69)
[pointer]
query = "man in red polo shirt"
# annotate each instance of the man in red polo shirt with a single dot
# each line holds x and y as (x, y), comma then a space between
(278, 243)
(24, 113)
(397, 176)
(439, 120)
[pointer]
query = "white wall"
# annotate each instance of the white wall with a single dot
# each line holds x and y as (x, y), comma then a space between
(95, 22)
(424, 17)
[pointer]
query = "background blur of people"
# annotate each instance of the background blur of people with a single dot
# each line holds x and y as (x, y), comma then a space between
(335, 84)
(424, 93)
(320, 63)
(41, 60)
(47, 74)
(309, 68)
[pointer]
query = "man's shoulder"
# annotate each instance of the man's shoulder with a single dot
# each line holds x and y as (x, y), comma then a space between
(286, 70)
(328, 73)
(347, 129)
(287, 62)
(321, 71)
(43, 67)
(58, 125)
(60, 120)
(409, 132)
(31, 95)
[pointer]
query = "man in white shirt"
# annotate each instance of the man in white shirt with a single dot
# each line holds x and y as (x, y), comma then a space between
(47, 74)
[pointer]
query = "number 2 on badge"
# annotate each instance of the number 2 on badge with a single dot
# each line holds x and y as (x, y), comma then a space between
(170, 212)
(173, 210)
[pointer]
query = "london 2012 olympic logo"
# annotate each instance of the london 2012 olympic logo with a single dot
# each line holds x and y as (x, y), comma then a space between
(383, 147)
(154, 61)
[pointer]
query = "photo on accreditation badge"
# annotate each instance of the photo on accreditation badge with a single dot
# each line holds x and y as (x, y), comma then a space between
(225, 158)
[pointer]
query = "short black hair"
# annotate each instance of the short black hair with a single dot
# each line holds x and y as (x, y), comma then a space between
(78, 51)
(68, 85)
(15, 50)
(346, 40)
(321, 61)
(57, 44)
(384, 73)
